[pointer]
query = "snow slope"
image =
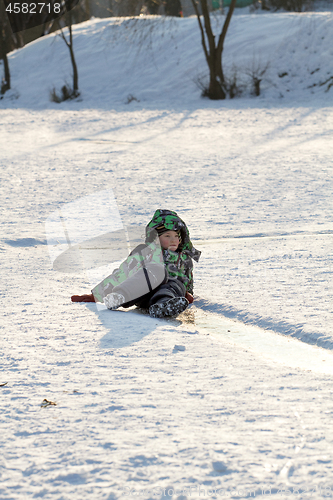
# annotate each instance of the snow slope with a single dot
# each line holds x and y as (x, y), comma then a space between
(158, 60)
(135, 416)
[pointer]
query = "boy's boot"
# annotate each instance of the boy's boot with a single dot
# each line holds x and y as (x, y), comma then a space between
(168, 308)
(114, 300)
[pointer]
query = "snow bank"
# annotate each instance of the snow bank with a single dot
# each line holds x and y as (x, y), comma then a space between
(158, 60)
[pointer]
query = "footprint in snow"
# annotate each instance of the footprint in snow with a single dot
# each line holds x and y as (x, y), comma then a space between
(178, 348)
(220, 467)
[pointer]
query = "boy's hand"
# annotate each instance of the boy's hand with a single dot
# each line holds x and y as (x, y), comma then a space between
(189, 297)
(83, 298)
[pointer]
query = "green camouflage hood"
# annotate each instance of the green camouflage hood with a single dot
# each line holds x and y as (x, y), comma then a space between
(172, 222)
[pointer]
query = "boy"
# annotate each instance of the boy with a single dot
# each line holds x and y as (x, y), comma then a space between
(157, 275)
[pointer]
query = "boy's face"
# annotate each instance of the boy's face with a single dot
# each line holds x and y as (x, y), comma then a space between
(169, 240)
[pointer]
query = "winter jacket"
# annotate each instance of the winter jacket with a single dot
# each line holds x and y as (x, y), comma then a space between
(178, 264)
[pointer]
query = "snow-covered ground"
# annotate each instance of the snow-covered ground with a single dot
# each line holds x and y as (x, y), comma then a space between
(252, 177)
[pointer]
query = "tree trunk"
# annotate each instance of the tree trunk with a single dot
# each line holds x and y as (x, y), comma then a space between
(6, 81)
(75, 73)
(71, 50)
(213, 51)
(223, 34)
(70, 45)
(216, 90)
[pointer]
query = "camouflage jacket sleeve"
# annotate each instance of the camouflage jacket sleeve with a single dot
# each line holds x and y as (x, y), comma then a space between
(190, 283)
(141, 254)
(180, 266)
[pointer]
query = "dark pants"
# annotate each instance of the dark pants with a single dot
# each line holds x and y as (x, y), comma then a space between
(161, 287)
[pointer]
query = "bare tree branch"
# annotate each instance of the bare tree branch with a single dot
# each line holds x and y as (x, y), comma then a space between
(226, 26)
(203, 40)
(208, 27)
